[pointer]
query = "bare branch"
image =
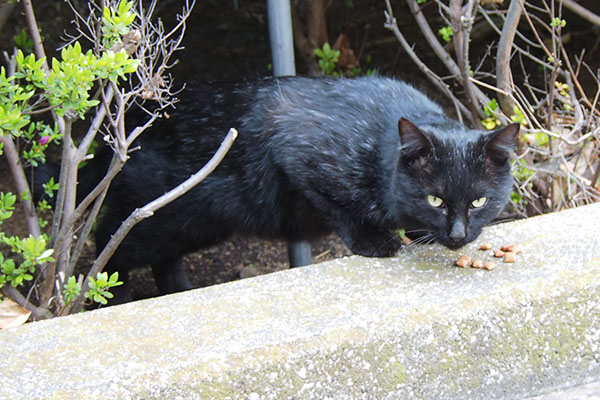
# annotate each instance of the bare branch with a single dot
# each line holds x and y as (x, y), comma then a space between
(38, 313)
(16, 169)
(94, 125)
(392, 25)
(35, 33)
(431, 38)
(461, 26)
(149, 209)
(503, 57)
(582, 11)
(85, 232)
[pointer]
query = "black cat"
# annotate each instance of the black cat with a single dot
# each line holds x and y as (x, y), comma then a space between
(359, 157)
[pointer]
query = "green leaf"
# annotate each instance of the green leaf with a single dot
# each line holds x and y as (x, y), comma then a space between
(491, 108)
(47, 253)
(102, 277)
(114, 277)
(446, 33)
(7, 200)
(20, 58)
(98, 298)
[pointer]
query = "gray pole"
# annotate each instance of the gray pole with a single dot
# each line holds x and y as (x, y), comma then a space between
(282, 53)
(282, 41)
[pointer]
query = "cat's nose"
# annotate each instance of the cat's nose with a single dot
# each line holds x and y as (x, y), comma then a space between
(458, 231)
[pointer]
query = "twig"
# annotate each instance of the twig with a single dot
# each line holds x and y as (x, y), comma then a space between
(521, 51)
(461, 26)
(16, 169)
(535, 32)
(94, 125)
(64, 194)
(38, 313)
(65, 205)
(114, 168)
(431, 38)
(85, 232)
(149, 209)
(392, 25)
(439, 50)
(574, 75)
(34, 31)
(582, 11)
(503, 56)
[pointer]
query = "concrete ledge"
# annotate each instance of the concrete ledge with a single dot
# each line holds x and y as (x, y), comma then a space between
(414, 326)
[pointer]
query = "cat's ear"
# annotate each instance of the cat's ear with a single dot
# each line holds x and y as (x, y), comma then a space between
(501, 143)
(414, 143)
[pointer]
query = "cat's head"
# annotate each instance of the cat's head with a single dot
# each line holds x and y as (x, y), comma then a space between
(458, 179)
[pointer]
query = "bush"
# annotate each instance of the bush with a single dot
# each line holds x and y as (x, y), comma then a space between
(40, 100)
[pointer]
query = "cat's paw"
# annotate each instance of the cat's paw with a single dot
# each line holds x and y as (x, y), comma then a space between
(382, 244)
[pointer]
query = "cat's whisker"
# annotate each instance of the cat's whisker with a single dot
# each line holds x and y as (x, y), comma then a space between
(417, 231)
(386, 243)
(425, 239)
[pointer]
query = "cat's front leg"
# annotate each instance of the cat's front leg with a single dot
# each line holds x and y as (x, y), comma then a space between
(170, 276)
(371, 242)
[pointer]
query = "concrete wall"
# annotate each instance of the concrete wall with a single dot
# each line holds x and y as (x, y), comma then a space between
(414, 326)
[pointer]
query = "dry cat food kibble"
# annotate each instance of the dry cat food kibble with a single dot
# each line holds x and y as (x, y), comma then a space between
(510, 257)
(512, 248)
(463, 261)
(489, 266)
(486, 246)
(508, 252)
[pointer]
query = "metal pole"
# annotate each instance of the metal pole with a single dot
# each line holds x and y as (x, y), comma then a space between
(282, 41)
(282, 54)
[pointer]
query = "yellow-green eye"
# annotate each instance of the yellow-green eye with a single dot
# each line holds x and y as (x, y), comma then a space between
(480, 202)
(435, 201)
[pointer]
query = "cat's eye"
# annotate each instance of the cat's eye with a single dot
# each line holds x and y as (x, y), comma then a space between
(480, 202)
(435, 201)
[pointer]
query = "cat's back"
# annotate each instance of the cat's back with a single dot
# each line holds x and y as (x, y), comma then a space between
(341, 101)
(292, 106)
(334, 124)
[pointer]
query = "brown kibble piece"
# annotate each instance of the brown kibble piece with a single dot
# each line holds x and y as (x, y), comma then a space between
(512, 248)
(486, 246)
(498, 253)
(510, 257)
(477, 264)
(489, 266)
(463, 261)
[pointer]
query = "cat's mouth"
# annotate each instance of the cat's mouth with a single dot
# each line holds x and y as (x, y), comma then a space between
(454, 244)
(443, 240)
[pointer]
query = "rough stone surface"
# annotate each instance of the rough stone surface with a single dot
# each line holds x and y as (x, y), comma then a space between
(590, 391)
(415, 326)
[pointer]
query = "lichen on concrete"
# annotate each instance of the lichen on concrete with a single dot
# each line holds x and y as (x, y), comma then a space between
(413, 326)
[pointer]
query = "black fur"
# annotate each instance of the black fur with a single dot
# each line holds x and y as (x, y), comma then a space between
(357, 157)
